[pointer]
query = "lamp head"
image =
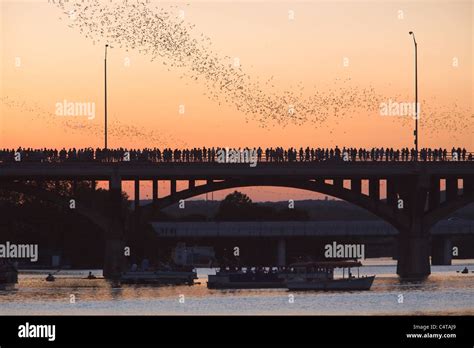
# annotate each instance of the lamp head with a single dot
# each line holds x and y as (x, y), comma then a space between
(411, 33)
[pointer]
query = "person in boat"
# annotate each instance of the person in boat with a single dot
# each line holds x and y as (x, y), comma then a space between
(145, 264)
(164, 266)
(91, 276)
(50, 278)
(465, 270)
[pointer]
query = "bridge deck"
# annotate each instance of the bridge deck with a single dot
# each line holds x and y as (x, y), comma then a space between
(203, 170)
(298, 229)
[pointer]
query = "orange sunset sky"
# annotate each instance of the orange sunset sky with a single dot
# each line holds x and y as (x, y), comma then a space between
(45, 59)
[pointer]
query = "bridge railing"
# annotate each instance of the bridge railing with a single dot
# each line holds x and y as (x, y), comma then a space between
(150, 157)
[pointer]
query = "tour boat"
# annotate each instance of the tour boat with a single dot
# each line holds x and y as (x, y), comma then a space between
(320, 276)
(237, 278)
(162, 277)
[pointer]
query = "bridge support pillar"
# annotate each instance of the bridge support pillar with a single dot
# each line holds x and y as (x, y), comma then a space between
(451, 188)
(281, 252)
(413, 238)
(413, 254)
(468, 184)
(356, 185)
(155, 191)
(441, 253)
(114, 238)
(374, 189)
(338, 182)
(435, 193)
(391, 193)
(137, 194)
(113, 261)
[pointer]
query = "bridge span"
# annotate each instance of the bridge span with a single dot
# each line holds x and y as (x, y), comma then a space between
(405, 194)
(362, 231)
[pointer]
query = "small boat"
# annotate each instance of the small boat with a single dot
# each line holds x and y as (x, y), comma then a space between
(465, 271)
(320, 276)
(161, 277)
(8, 274)
(250, 278)
(50, 278)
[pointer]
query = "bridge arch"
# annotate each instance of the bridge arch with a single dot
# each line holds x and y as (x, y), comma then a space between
(93, 216)
(377, 208)
(447, 208)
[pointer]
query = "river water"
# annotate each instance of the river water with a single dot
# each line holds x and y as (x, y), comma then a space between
(445, 292)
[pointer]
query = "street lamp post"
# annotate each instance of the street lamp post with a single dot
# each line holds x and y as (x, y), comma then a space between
(105, 96)
(415, 133)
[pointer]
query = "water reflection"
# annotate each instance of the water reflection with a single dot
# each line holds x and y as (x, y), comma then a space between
(445, 291)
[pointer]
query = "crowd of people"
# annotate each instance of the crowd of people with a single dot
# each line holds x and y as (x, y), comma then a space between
(277, 154)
